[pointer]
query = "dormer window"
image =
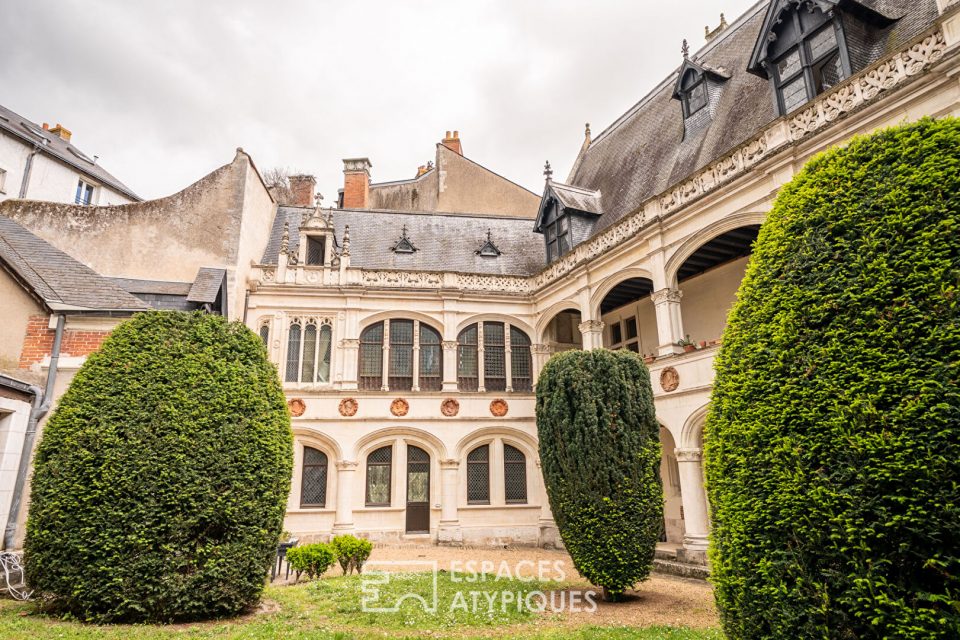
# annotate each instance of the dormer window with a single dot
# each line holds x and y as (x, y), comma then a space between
(802, 51)
(403, 245)
(315, 247)
(557, 234)
(85, 193)
(693, 92)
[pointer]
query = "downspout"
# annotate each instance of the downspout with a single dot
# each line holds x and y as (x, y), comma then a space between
(27, 168)
(40, 409)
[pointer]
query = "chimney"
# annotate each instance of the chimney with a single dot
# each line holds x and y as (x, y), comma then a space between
(453, 142)
(302, 187)
(356, 183)
(61, 131)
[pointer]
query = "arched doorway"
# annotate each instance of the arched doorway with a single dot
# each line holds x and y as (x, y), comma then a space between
(629, 317)
(673, 527)
(709, 279)
(562, 333)
(418, 490)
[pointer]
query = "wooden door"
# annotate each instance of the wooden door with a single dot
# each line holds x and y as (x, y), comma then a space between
(418, 490)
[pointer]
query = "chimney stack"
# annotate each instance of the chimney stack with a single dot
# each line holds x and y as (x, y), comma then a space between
(62, 132)
(302, 187)
(453, 142)
(356, 183)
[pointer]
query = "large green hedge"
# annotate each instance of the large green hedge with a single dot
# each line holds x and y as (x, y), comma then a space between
(160, 481)
(600, 455)
(833, 442)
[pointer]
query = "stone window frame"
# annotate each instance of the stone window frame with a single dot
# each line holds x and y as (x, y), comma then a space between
(497, 444)
(290, 360)
(465, 379)
(389, 465)
(388, 363)
(303, 475)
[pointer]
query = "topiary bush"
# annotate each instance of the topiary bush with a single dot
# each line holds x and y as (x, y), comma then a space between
(160, 482)
(833, 441)
(314, 559)
(352, 552)
(600, 456)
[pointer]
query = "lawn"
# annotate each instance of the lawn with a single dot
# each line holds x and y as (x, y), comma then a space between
(332, 608)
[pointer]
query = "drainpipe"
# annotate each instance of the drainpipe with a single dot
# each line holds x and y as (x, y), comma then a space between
(27, 168)
(40, 409)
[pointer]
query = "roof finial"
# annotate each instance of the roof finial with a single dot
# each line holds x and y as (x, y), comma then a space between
(586, 130)
(547, 170)
(346, 241)
(285, 240)
(318, 198)
(685, 49)
(488, 235)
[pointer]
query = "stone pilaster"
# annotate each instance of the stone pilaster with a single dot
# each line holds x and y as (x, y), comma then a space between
(666, 303)
(592, 331)
(346, 471)
(694, 497)
(448, 529)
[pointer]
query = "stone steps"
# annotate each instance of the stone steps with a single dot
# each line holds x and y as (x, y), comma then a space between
(682, 569)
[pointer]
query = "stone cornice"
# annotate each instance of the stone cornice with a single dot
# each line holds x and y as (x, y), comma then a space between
(849, 96)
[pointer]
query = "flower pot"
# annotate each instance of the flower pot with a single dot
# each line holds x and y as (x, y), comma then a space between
(649, 359)
(687, 348)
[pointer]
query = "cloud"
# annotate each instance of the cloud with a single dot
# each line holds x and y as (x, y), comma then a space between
(164, 91)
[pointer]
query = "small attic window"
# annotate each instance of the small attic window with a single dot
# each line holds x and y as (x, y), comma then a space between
(315, 252)
(488, 250)
(693, 92)
(403, 245)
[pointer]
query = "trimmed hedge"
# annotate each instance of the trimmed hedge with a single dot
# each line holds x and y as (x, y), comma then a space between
(160, 482)
(352, 552)
(315, 559)
(600, 455)
(833, 441)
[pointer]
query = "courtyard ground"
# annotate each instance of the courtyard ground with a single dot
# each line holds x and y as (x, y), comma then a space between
(662, 608)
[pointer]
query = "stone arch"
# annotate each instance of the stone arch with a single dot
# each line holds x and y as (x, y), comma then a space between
(321, 441)
(545, 317)
(497, 317)
(696, 240)
(611, 282)
(419, 437)
(691, 435)
(528, 443)
(435, 323)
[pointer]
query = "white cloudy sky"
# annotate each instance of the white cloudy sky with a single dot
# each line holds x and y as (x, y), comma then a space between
(164, 91)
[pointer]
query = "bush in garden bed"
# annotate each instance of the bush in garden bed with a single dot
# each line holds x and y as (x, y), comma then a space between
(160, 482)
(833, 440)
(314, 559)
(600, 455)
(352, 552)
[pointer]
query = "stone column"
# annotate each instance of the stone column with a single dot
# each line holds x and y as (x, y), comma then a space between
(666, 302)
(694, 498)
(449, 365)
(481, 383)
(416, 356)
(508, 358)
(448, 530)
(385, 385)
(346, 470)
(540, 354)
(549, 534)
(350, 350)
(592, 331)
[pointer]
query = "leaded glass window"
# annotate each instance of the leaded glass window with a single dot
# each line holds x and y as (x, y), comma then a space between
(371, 357)
(520, 361)
(468, 370)
(514, 475)
(324, 349)
(265, 334)
(314, 251)
(313, 489)
(401, 355)
(478, 475)
(293, 353)
(379, 467)
(308, 352)
(494, 357)
(307, 372)
(431, 359)
(693, 92)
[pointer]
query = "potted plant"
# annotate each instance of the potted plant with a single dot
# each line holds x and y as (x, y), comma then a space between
(648, 359)
(687, 344)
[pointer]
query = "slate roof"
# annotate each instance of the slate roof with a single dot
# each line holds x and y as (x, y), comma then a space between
(206, 285)
(157, 287)
(644, 153)
(576, 198)
(60, 281)
(444, 241)
(53, 145)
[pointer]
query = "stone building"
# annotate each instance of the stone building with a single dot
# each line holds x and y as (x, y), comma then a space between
(41, 163)
(409, 335)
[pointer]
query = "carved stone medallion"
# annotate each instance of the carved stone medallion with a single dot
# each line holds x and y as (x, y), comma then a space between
(499, 407)
(296, 406)
(450, 407)
(348, 407)
(399, 407)
(669, 379)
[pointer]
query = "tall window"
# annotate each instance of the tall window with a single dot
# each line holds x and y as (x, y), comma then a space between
(265, 334)
(557, 235)
(693, 92)
(84, 193)
(431, 359)
(405, 370)
(514, 475)
(371, 357)
(624, 334)
(313, 485)
(308, 351)
(806, 58)
(504, 366)
(379, 466)
(478, 475)
(314, 251)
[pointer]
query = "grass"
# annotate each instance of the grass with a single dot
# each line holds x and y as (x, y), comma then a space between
(332, 609)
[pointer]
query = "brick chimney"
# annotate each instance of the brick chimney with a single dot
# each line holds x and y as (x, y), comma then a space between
(453, 142)
(60, 131)
(356, 183)
(302, 187)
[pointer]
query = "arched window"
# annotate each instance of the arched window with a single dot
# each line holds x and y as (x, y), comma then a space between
(313, 485)
(521, 365)
(406, 371)
(693, 92)
(478, 475)
(431, 359)
(265, 334)
(514, 475)
(308, 351)
(805, 58)
(379, 467)
(505, 365)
